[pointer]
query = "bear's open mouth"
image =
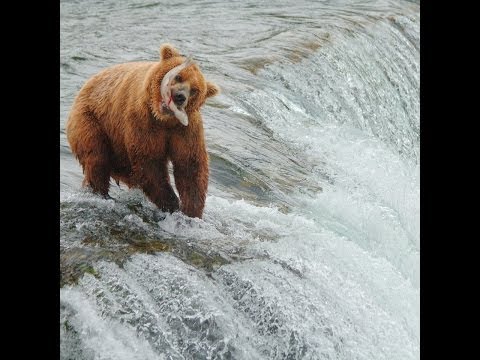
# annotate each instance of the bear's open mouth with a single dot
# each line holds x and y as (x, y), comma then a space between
(166, 110)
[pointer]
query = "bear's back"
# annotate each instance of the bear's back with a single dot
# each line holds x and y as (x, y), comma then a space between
(118, 82)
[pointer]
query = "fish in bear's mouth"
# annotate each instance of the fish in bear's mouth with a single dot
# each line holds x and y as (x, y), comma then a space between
(166, 93)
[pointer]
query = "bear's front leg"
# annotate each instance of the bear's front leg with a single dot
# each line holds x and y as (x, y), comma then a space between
(191, 180)
(162, 195)
(152, 177)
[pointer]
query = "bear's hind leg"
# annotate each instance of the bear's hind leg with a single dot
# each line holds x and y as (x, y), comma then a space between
(96, 168)
(92, 148)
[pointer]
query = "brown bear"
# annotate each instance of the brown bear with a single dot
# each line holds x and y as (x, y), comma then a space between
(119, 127)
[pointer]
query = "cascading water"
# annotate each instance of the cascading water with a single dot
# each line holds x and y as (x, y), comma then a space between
(309, 245)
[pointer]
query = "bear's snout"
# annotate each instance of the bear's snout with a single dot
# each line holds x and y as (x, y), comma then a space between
(179, 98)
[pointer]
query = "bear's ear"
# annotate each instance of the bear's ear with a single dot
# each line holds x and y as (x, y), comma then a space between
(167, 51)
(212, 89)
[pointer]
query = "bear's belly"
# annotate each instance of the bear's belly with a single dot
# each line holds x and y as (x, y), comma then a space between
(121, 164)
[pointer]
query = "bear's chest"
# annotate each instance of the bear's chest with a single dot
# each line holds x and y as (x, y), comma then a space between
(161, 141)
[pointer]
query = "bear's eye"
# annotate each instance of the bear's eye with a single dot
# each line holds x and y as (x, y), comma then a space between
(178, 78)
(193, 91)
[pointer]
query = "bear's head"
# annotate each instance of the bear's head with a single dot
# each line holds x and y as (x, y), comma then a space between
(189, 89)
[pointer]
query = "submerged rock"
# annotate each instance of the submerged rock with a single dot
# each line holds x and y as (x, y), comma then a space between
(94, 229)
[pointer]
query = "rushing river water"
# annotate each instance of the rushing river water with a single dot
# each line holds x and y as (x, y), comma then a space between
(309, 246)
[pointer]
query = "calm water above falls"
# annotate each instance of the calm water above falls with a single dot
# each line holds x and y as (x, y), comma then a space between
(309, 246)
